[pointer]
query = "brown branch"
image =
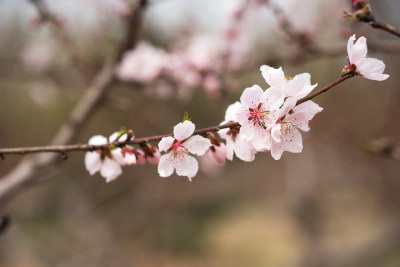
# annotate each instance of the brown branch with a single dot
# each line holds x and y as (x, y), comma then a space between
(385, 27)
(28, 169)
(85, 147)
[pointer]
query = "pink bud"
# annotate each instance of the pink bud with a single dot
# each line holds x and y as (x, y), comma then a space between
(155, 158)
(218, 154)
(140, 156)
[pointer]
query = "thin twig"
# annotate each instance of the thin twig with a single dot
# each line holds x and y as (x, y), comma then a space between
(385, 27)
(87, 147)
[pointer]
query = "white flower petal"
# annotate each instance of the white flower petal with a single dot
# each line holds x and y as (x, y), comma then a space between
(98, 140)
(247, 131)
(183, 130)
(299, 86)
(273, 97)
(357, 51)
(251, 96)
(166, 165)
(276, 150)
(110, 169)
(372, 68)
(310, 108)
(244, 150)
(289, 104)
(186, 166)
(230, 114)
(92, 162)
(293, 141)
(166, 143)
(261, 140)
(273, 76)
(117, 155)
(197, 145)
(229, 149)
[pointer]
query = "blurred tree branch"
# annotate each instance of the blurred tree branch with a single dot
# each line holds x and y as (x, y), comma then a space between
(28, 169)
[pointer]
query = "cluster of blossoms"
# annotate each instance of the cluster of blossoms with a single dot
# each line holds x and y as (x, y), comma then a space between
(269, 120)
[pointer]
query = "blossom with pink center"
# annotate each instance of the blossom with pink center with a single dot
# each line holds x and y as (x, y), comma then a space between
(180, 149)
(285, 134)
(299, 86)
(143, 64)
(107, 161)
(370, 68)
(235, 142)
(258, 113)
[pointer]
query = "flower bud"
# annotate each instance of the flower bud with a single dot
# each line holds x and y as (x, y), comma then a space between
(217, 154)
(128, 156)
(140, 156)
(358, 4)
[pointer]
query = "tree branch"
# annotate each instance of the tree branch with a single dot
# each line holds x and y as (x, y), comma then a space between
(28, 168)
(86, 147)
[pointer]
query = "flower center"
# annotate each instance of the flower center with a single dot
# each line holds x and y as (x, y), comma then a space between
(178, 149)
(258, 115)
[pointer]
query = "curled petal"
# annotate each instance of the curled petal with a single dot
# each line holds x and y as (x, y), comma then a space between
(165, 143)
(357, 51)
(183, 130)
(166, 165)
(197, 145)
(289, 104)
(276, 133)
(110, 169)
(272, 76)
(300, 86)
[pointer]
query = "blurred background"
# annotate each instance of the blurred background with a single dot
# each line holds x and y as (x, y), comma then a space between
(332, 205)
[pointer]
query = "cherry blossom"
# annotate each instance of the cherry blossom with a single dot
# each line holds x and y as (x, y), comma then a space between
(235, 142)
(217, 153)
(107, 161)
(299, 86)
(360, 63)
(285, 134)
(258, 113)
(180, 149)
(143, 64)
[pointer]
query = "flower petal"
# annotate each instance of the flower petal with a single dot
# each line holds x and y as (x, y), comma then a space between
(92, 162)
(276, 150)
(244, 150)
(292, 140)
(110, 169)
(186, 166)
(166, 143)
(218, 156)
(117, 155)
(98, 140)
(197, 145)
(299, 86)
(273, 76)
(230, 114)
(289, 104)
(276, 133)
(183, 130)
(273, 97)
(261, 140)
(357, 51)
(166, 165)
(372, 68)
(251, 96)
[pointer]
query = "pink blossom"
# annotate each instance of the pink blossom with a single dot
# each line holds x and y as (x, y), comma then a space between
(179, 149)
(107, 161)
(370, 68)
(129, 156)
(153, 155)
(140, 156)
(258, 113)
(285, 134)
(235, 142)
(143, 64)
